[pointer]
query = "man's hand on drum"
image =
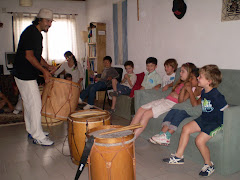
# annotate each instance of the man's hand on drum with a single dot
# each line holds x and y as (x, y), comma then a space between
(52, 69)
(47, 75)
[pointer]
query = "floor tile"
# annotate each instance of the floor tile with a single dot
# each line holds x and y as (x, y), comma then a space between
(20, 159)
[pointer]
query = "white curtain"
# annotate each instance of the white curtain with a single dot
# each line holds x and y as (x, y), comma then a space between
(60, 38)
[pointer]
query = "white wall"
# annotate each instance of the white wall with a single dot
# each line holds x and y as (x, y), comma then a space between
(199, 37)
(58, 6)
(101, 11)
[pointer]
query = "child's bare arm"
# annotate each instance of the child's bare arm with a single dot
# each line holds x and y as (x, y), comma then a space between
(192, 96)
(184, 95)
(142, 88)
(157, 87)
(167, 86)
(123, 80)
(128, 79)
(170, 85)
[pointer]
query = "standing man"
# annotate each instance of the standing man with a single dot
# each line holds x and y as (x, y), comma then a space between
(28, 63)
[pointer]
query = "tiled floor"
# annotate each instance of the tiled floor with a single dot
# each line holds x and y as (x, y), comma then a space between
(22, 160)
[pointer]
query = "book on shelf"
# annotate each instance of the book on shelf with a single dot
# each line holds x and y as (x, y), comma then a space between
(92, 51)
(92, 35)
(95, 65)
(92, 64)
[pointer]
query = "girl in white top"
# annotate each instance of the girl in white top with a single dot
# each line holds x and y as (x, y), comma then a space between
(72, 67)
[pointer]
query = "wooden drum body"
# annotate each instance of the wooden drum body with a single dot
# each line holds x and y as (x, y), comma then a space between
(59, 99)
(112, 156)
(78, 124)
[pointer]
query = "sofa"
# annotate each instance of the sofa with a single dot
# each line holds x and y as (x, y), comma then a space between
(125, 104)
(225, 146)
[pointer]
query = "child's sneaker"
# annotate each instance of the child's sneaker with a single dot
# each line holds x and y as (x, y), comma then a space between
(88, 106)
(152, 141)
(207, 170)
(161, 139)
(45, 142)
(30, 136)
(174, 160)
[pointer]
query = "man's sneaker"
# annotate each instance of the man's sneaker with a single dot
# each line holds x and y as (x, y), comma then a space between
(30, 136)
(174, 160)
(152, 141)
(114, 93)
(80, 101)
(45, 142)
(207, 170)
(161, 139)
(88, 106)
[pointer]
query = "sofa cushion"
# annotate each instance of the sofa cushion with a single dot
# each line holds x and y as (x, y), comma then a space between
(138, 83)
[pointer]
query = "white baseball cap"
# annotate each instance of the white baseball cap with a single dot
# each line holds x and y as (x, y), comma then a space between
(46, 14)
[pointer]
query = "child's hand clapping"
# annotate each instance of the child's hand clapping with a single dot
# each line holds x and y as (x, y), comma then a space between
(126, 76)
(165, 88)
(188, 86)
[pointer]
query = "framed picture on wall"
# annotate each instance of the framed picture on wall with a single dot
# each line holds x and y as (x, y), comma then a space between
(230, 10)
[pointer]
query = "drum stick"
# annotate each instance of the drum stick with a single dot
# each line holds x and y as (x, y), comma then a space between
(130, 127)
(88, 114)
(60, 64)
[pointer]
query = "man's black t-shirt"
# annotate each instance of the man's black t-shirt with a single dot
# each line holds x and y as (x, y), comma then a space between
(30, 39)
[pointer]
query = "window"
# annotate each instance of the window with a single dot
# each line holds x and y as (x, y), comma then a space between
(60, 38)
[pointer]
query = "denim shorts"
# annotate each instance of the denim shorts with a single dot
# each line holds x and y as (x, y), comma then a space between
(123, 90)
(209, 128)
(174, 118)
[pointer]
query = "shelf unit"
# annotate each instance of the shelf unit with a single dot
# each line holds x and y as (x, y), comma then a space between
(96, 47)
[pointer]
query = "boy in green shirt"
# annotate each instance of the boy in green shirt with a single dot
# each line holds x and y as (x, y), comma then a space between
(152, 80)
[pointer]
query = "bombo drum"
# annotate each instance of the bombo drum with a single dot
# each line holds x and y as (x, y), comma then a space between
(112, 155)
(78, 124)
(59, 99)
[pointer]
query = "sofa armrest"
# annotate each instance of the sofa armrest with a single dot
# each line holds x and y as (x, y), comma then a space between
(231, 137)
(145, 96)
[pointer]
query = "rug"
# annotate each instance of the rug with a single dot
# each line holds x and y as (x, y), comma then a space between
(10, 118)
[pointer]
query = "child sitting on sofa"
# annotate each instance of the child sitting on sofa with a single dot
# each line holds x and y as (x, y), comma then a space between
(170, 66)
(208, 124)
(105, 81)
(126, 85)
(176, 116)
(152, 80)
(160, 106)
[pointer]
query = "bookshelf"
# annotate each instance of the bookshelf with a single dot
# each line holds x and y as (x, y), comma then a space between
(96, 48)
